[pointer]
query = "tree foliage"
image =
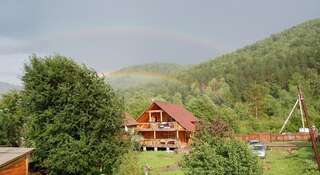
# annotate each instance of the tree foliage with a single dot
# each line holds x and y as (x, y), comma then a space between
(215, 152)
(11, 119)
(74, 117)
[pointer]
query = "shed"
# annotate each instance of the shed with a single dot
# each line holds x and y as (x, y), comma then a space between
(129, 120)
(129, 123)
(14, 160)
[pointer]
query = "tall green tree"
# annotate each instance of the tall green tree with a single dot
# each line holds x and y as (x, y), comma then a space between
(11, 119)
(74, 117)
(202, 107)
(256, 99)
(137, 103)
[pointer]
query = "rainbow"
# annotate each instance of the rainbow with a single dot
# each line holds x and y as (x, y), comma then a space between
(140, 74)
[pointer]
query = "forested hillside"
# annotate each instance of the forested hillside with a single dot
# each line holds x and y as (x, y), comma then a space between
(252, 88)
(138, 75)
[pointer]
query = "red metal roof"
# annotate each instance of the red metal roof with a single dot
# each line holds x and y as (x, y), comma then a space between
(185, 118)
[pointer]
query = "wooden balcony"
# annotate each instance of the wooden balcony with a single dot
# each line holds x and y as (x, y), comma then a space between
(157, 126)
(160, 143)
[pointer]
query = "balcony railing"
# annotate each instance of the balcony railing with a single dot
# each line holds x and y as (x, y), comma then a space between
(171, 143)
(157, 126)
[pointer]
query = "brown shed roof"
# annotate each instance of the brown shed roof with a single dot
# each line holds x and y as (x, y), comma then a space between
(129, 120)
(10, 154)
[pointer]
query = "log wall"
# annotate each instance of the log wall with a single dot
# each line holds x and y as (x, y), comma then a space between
(18, 167)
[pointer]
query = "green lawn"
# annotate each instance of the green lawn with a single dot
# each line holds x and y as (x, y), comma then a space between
(285, 163)
(278, 162)
(161, 162)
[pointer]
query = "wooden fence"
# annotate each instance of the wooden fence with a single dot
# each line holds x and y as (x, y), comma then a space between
(269, 137)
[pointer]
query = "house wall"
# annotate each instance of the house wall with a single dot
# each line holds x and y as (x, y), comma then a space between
(147, 134)
(166, 134)
(183, 137)
(18, 167)
(144, 118)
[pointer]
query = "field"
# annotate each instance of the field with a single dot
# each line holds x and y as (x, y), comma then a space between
(278, 161)
(284, 162)
(161, 162)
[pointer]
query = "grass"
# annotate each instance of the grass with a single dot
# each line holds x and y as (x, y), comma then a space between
(161, 162)
(281, 161)
(278, 161)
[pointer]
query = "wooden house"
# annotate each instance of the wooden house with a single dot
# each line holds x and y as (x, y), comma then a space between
(14, 161)
(165, 125)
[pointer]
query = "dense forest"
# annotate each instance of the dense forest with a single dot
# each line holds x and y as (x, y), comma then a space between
(253, 88)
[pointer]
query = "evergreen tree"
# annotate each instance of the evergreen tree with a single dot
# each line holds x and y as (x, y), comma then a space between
(256, 99)
(74, 117)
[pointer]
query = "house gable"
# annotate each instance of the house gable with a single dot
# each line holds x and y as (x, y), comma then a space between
(155, 110)
(175, 112)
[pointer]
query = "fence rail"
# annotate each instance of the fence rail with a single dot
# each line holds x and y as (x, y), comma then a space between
(158, 126)
(171, 143)
(269, 137)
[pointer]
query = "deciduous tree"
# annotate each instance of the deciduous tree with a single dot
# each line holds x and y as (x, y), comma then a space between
(74, 117)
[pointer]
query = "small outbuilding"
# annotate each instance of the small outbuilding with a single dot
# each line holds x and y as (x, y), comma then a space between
(129, 123)
(14, 160)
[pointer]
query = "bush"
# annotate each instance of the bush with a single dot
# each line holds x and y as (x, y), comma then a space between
(135, 142)
(128, 165)
(310, 168)
(215, 154)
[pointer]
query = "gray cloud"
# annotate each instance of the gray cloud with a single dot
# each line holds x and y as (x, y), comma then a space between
(108, 35)
(128, 45)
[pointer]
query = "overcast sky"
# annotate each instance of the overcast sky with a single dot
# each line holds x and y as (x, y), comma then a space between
(108, 35)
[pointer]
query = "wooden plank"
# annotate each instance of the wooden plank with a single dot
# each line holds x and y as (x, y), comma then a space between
(154, 111)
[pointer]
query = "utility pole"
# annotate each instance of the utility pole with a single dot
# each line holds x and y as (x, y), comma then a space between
(312, 128)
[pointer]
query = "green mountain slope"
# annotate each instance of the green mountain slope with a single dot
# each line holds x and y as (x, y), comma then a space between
(253, 88)
(273, 60)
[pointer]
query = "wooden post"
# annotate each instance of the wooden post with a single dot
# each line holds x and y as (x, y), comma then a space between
(177, 134)
(154, 134)
(161, 116)
(312, 129)
(301, 113)
(285, 123)
(27, 164)
(149, 116)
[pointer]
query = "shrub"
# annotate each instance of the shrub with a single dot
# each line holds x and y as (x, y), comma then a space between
(128, 165)
(214, 153)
